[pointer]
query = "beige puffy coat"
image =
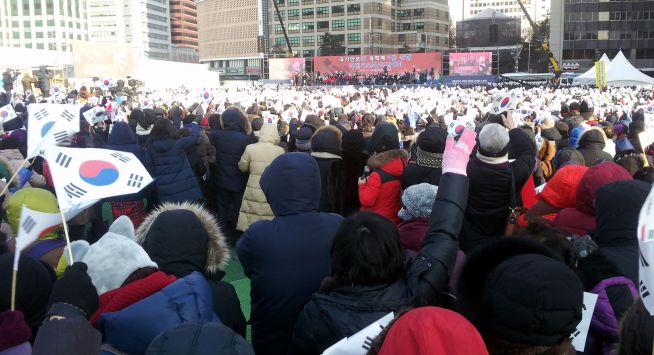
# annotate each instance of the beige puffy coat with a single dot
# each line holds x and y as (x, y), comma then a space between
(255, 159)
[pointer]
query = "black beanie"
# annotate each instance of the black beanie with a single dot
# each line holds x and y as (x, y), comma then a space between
(326, 140)
(432, 140)
(520, 291)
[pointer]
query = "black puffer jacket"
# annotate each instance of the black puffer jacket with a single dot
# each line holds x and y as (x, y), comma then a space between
(591, 145)
(617, 207)
(330, 316)
(490, 186)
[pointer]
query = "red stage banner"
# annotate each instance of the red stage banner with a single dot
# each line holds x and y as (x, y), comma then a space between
(374, 64)
(471, 63)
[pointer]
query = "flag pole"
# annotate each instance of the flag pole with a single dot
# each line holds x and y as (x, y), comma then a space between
(14, 276)
(13, 177)
(70, 251)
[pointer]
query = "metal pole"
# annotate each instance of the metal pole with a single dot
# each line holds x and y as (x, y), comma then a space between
(281, 21)
(529, 57)
(370, 30)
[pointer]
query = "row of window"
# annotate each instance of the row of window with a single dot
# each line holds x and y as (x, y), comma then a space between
(50, 34)
(631, 15)
(612, 35)
(352, 24)
(39, 24)
(641, 53)
(352, 38)
(38, 9)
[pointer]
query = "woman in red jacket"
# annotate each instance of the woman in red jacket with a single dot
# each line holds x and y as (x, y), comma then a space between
(381, 192)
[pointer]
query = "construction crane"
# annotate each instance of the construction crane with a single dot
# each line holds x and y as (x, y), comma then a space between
(556, 68)
(281, 22)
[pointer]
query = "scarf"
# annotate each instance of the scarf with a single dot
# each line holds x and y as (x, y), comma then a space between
(429, 160)
(122, 297)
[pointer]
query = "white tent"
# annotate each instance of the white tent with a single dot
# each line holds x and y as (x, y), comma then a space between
(588, 78)
(622, 73)
(619, 72)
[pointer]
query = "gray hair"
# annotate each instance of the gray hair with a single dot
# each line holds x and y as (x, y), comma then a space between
(493, 138)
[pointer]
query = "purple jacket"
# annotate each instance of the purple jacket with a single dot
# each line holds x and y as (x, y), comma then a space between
(603, 333)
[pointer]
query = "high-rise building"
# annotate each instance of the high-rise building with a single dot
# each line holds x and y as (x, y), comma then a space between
(229, 36)
(236, 35)
(143, 23)
(51, 25)
(184, 23)
(537, 9)
(581, 32)
(363, 27)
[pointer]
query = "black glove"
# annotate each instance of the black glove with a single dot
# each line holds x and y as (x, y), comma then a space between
(74, 294)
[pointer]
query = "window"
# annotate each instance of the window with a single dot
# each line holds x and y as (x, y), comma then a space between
(293, 13)
(340, 9)
(322, 25)
(322, 11)
(281, 14)
(293, 2)
(353, 8)
(308, 26)
(418, 25)
(354, 24)
(278, 29)
(353, 51)
(37, 8)
(307, 2)
(405, 27)
(308, 40)
(294, 41)
(279, 41)
(403, 13)
(338, 24)
(308, 53)
(354, 38)
(307, 12)
(279, 2)
(293, 27)
(401, 38)
(420, 12)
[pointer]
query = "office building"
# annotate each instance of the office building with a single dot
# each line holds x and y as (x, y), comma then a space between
(143, 23)
(489, 28)
(184, 31)
(537, 9)
(230, 36)
(363, 27)
(582, 31)
(35, 24)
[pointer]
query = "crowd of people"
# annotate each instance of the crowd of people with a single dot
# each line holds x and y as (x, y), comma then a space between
(479, 228)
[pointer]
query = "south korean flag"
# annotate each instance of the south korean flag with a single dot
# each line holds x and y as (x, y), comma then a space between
(95, 115)
(7, 113)
(85, 174)
(49, 124)
(505, 102)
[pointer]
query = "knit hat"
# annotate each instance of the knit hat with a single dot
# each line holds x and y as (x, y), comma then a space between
(618, 128)
(40, 200)
(520, 291)
(431, 145)
(432, 330)
(575, 134)
(113, 257)
(596, 177)
(353, 141)
(303, 137)
(34, 283)
(383, 138)
(14, 331)
(562, 127)
(417, 201)
(327, 140)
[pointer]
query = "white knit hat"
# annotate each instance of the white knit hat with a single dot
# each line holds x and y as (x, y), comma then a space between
(113, 258)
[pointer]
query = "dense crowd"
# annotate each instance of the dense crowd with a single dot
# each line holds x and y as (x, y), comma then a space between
(479, 227)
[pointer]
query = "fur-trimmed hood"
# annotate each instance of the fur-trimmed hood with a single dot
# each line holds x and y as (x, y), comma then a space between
(186, 238)
(377, 161)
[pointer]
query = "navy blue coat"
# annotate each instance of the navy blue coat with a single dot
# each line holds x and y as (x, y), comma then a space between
(174, 178)
(230, 143)
(288, 257)
(133, 328)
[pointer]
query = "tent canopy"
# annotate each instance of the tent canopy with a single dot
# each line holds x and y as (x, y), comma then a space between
(619, 72)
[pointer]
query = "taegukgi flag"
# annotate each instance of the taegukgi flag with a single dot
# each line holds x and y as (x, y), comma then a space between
(7, 113)
(49, 124)
(84, 174)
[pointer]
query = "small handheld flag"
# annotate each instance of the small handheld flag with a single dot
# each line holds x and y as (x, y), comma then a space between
(505, 102)
(82, 175)
(7, 113)
(50, 124)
